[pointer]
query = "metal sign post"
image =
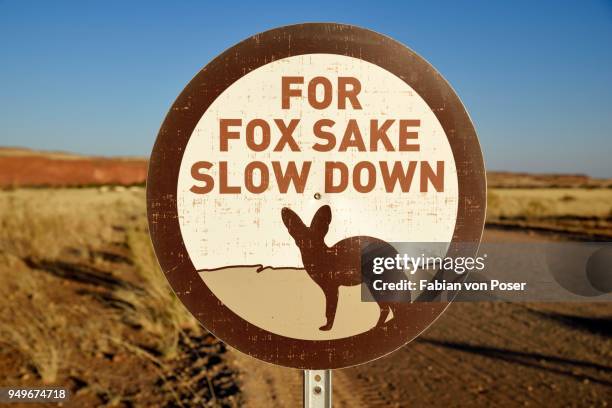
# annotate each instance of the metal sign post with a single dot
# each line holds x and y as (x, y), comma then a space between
(317, 389)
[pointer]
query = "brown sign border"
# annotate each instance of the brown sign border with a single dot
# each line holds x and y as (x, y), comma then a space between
(177, 128)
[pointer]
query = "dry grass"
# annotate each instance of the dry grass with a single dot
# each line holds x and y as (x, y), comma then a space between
(45, 223)
(30, 324)
(563, 202)
(577, 210)
(160, 313)
(42, 322)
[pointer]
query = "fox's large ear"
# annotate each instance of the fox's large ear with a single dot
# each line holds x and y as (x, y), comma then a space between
(320, 222)
(293, 222)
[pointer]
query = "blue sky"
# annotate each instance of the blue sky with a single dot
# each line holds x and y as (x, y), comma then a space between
(99, 77)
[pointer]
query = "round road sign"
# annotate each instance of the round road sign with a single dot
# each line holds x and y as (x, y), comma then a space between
(280, 160)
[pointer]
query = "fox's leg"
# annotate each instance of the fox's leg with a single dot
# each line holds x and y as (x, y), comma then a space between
(331, 303)
(384, 312)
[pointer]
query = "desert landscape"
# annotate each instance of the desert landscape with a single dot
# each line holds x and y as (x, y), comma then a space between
(85, 306)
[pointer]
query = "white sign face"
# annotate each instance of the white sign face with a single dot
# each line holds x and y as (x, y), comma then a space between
(224, 229)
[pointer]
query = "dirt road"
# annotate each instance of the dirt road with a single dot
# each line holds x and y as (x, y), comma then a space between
(476, 354)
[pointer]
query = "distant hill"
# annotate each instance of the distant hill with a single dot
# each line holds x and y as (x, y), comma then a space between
(20, 167)
(24, 167)
(502, 179)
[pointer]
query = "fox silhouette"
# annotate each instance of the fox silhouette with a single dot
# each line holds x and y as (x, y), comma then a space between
(338, 265)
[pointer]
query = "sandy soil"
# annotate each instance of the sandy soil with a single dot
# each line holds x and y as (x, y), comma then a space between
(476, 354)
(22, 167)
